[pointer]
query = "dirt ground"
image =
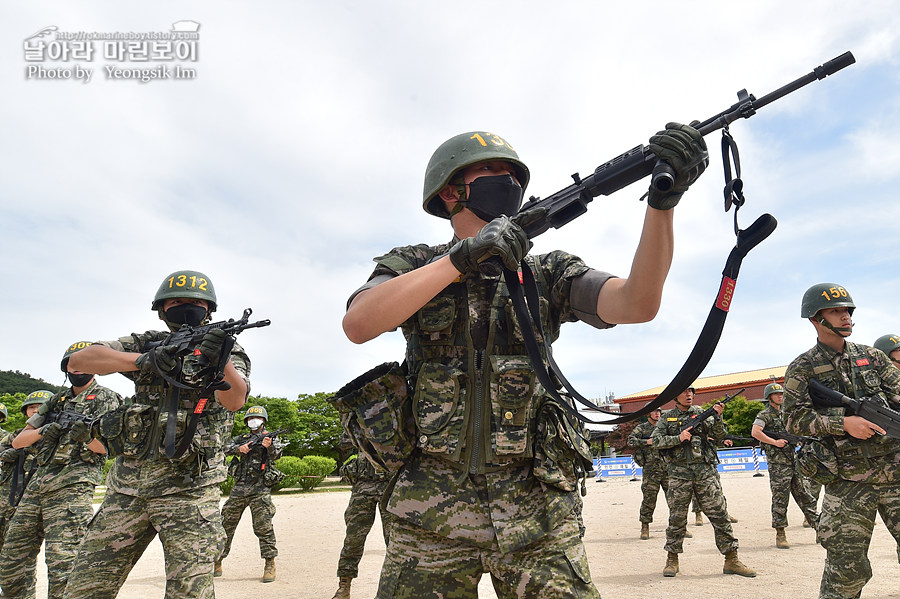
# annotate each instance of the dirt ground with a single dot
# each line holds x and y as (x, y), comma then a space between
(310, 531)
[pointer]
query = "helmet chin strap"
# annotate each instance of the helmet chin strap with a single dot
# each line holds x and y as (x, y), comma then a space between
(842, 331)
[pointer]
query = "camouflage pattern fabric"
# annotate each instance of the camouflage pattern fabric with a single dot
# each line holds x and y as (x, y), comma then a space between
(367, 489)
(692, 470)
(423, 565)
(250, 490)
(654, 473)
(785, 479)
(57, 505)
(867, 472)
(262, 512)
(59, 518)
(6, 478)
(477, 479)
(178, 498)
(190, 530)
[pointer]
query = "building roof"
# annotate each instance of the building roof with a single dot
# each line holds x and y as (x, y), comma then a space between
(763, 375)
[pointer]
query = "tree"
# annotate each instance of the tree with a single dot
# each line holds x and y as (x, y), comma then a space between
(739, 415)
(13, 403)
(320, 424)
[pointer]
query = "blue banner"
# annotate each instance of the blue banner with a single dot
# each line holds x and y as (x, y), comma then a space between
(745, 459)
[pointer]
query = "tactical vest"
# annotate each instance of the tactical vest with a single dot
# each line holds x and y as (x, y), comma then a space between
(475, 407)
(138, 430)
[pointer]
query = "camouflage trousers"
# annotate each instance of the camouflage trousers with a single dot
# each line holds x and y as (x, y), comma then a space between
(6, 514)
(359, 517)
(651, 482)
(189, 527)
(422, 565)
(845, 530)
(58, 518)
(785, 481)
(705, 484)
(262, 511)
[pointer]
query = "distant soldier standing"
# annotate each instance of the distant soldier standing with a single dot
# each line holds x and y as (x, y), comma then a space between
(858, 465)
(58, 503)
(254, 472)
(9, 457)
(691, 460)
(653, 476)
(784, 477)
(366, 491)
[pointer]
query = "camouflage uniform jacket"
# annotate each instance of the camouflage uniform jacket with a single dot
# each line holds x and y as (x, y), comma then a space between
(249, 470)
(475, 403)
(645, 456)
(66, 462)
(363, 477)
(770, 420)
(684, 460)
(6, 469)
(203, 464)
(858, 371)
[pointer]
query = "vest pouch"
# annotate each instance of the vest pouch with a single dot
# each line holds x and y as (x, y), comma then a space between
(439, 410)
(125, 430)
(272, 476)
(376, 414)
(562, 455)
(435, 320)
(512, 382)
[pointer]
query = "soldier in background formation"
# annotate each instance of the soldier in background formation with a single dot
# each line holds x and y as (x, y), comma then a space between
(57, 504)
(691, 460)
(367, 487)
(254, 472)
(784, 476)
(856, 462)
(149, 493)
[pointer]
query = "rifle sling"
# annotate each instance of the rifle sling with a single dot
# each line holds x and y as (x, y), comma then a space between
(15, 495)
(528, 314)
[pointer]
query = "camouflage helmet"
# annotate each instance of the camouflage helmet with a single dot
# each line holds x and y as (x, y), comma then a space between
(772, 388)
(75, 347)
(256, 412)
(37, 397)
(188, 284)
(888, 343)
(461, 151)
(825, 295)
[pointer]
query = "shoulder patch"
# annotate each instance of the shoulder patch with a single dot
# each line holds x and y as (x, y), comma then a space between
(792, 384)
(395, 263)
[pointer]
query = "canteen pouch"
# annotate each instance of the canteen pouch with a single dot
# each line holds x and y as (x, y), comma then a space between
(562, 455)
(376, 413)
(272, 476)
(126, 430)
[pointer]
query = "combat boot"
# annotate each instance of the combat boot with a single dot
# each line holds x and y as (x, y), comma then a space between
(218, 570)
(781, 539)
(732, 519)
(699, 521)
(806, 523)
(269, 572)
(671, 568)
(687, 534)
(645, 531)
(343, 591)
(734, 566)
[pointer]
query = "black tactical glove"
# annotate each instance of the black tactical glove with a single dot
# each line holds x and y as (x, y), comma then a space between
(501, 237)
(80, 433)
(161, 360)
(9, 455)
(51, 432)
(683, 148)
(211, 345)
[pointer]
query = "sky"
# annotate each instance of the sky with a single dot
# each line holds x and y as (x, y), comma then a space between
(296, 154)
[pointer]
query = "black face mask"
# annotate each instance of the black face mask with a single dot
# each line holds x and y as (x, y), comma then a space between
(79, 380)
(490, 197)
(189, 314)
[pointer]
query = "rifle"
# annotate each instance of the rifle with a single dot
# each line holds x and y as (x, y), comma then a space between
(256, 439)
(67, 418)
(867, 407)
(187, 339)
(568, 204)
(697, 420)
(791, 439)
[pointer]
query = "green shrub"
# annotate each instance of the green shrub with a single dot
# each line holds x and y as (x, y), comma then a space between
(307, 472)
(227, 485)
